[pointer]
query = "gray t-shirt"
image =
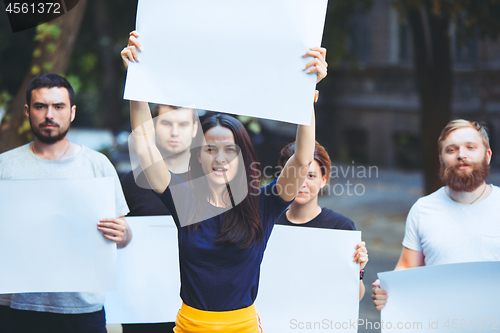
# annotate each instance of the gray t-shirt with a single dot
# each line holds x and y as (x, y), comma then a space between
(449, 232)
(21, 163)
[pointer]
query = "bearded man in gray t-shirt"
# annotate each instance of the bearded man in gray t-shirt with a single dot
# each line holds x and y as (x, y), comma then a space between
(50, 111)
(459, 222)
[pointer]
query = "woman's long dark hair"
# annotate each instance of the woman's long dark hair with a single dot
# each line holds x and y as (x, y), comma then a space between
(240, 224)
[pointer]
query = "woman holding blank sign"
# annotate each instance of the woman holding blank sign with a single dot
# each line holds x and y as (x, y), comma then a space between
(222, 234)
(306, 212)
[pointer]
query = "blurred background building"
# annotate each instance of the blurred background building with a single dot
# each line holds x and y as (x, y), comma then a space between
(376, 103)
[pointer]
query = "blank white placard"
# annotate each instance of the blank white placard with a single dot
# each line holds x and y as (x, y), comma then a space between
(148, 274)
(442, 298)
(49, 240)
(308, 277)
(241, 57)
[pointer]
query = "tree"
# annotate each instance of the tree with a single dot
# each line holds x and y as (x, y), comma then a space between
(56, 41)
(336, 32)
(336, 35)
(108, 60)
(430, 22)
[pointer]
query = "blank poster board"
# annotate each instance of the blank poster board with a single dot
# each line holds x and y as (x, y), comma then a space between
(454, 297)
(309, 279)
(49, 239)
(148, 274)
(241, 57)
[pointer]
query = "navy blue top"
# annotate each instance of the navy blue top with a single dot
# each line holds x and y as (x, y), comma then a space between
(223, 277)
(327, 219)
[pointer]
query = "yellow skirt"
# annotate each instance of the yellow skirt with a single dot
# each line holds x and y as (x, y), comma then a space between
(191, 320)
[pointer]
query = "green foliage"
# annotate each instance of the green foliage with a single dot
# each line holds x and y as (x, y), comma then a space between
(254, 126)
(5, 98)
(47, 30)
(50, 47)
(75, 82)
(24, 128)
(47, 66)
(37, 52)
(251, 123)
(88, 62)
(244, 119)
(35, 70)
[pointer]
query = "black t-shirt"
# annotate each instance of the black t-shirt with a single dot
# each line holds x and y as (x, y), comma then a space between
(327, 219)
(142, 201)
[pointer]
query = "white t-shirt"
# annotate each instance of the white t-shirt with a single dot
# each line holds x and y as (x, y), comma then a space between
(449, 232)
(21, 163)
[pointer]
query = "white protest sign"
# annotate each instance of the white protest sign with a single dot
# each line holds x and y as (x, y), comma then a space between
(49, 239)
(148, 274)
(309, 280)
(454, 297)
(241, 57)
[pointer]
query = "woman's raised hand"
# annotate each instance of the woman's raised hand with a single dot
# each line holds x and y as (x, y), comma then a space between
(318, 64)
(130, 52)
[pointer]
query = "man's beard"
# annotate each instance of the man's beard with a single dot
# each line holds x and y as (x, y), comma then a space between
(463, 180)
(47, 139)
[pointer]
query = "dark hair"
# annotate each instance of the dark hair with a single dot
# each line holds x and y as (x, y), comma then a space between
(241, 224)
(320, 156)
(49, 80)
(157, 107)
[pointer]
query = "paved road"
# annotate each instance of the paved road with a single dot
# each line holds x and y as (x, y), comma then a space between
(379, 211)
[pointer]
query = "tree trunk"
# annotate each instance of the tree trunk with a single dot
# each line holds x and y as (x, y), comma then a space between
(110, 102)
(51, 55)
(433, 72)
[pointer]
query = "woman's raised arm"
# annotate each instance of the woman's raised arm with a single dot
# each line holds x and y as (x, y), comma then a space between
(143, 130)
(295, 171)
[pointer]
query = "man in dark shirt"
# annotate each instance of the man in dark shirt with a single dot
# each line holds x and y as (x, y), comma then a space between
(175, 129)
